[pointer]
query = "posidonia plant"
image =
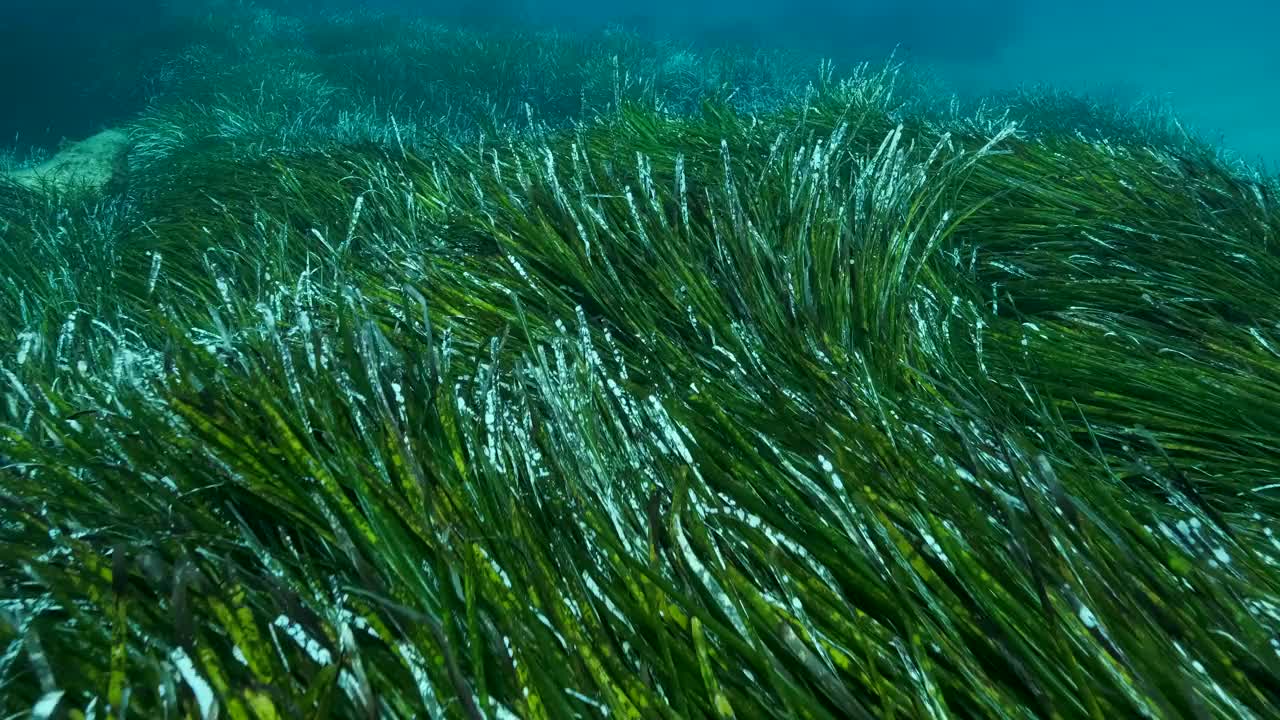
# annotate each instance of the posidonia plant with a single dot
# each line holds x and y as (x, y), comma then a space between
(836, 406)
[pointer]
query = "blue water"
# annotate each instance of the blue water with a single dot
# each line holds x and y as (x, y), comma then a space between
(1216, 63)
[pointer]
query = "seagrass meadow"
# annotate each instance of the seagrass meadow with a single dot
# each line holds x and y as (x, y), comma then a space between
(413, 372)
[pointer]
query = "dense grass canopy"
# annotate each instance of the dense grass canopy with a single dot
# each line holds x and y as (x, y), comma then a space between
(585, 378)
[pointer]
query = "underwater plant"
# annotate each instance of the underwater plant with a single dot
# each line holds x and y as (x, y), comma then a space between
(830, 403)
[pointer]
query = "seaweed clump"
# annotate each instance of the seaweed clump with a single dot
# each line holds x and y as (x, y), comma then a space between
(831, 406)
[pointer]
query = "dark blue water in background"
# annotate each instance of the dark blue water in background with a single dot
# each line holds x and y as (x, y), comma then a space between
(1216, 63)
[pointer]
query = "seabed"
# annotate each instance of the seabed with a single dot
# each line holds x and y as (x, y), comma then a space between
(407, 371)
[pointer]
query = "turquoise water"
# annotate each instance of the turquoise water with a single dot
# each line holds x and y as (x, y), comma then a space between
(1216, 64)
